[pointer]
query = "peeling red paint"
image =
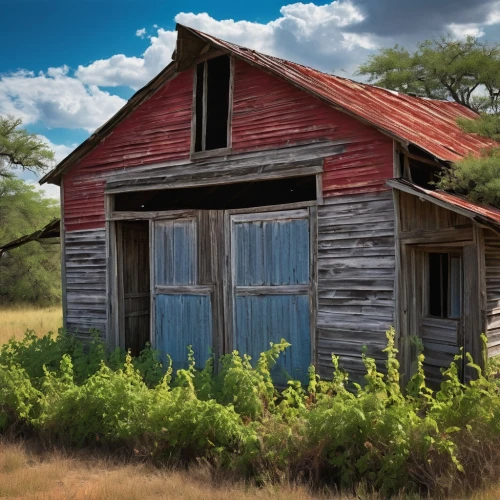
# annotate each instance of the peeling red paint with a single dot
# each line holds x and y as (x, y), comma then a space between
(268, 113)
(427, 123)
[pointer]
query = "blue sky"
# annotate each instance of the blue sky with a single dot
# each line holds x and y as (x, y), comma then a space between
(67, 66)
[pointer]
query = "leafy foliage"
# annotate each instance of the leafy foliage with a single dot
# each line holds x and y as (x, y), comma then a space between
(478, 178)
(19, 148)
(30, 273)
(443, 68)
(395, 440)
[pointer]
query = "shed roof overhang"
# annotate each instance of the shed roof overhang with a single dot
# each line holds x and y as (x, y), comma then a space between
(483, 215)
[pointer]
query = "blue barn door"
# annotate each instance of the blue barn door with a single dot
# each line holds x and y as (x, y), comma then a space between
(271, 285)
(182, 307)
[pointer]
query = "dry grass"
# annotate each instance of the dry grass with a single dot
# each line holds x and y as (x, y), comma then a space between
(15, 321)
(55, 476)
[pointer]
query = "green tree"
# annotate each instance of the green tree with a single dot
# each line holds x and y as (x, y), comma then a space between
(21, 149)
(30, 273)
(465, 70)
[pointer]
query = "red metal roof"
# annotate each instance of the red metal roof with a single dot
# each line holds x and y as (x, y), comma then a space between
(427, 123)
(481, 213)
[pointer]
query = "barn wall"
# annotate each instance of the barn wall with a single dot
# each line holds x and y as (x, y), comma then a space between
(271, 113)
(356, 263)
(419, 215)
(268, 113)
(492, 265)
(85, 261)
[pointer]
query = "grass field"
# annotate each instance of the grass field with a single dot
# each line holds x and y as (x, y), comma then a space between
(14, 321)
(54, 476)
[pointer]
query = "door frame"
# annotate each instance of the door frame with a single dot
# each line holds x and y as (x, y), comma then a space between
(222, 329)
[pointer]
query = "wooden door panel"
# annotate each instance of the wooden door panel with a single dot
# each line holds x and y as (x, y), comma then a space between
(183, 308)
(183, 320)
(271, 270)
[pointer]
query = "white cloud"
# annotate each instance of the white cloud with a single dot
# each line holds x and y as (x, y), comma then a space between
(133, 72)
(464, 30)
(141, 33)
(48, 190)
(494, 15)
(477, 29)
(56, 99)
(307, 33)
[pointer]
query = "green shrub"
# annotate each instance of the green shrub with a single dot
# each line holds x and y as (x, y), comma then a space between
(376, 434)
(478, 178)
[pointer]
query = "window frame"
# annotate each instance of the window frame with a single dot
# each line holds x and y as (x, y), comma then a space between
(204, 153)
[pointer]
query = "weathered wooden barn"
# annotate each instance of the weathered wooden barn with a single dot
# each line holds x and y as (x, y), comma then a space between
(239, 198)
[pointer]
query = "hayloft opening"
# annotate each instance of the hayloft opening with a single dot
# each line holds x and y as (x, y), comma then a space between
(221, 197)
(212, 104)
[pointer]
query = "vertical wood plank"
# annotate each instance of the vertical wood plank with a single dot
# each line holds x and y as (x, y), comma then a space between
(231, 96)
(205, 100)
(313, 292)
(62, 238)
(193, 111)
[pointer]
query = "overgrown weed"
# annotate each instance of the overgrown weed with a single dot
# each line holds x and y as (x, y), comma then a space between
(236, 422)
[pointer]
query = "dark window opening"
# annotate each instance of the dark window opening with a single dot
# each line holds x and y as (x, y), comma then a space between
(445, 285)
(212, 104)
(227, 196)
(423, 174)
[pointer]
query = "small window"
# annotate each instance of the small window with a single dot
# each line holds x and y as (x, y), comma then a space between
(212, 104)
(445, 285)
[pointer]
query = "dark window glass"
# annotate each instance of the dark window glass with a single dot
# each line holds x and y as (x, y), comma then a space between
(445, 285)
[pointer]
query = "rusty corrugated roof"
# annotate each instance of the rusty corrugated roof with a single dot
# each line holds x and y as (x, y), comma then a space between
(484, 214)
(428, 123)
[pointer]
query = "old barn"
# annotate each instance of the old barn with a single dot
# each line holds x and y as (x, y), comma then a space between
(239, 198)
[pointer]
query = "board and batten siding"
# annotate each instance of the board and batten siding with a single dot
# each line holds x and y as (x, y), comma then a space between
(492, 268)
(356, 269)
(85, 263)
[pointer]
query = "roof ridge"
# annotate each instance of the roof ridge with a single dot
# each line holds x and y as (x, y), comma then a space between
(330, 75)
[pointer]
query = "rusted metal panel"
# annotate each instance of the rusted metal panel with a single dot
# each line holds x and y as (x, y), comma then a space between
(269, 112)
(427, 123)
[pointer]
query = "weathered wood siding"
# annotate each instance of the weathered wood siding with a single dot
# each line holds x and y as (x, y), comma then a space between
(492, 265)
(356, 263)
(419, 215)
(268, 113)
(426, 227)
(85, 261)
